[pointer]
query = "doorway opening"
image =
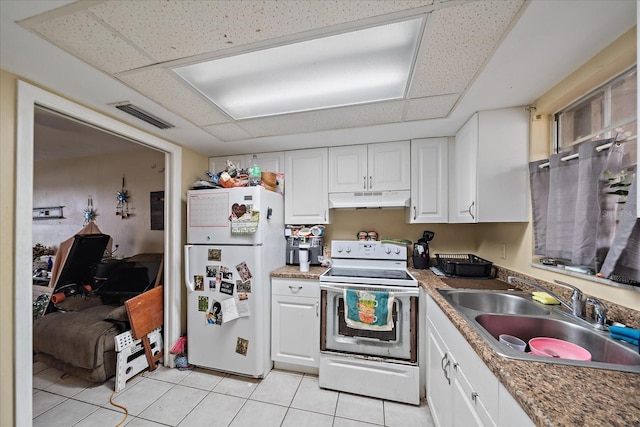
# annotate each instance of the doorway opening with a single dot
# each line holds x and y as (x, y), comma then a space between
(28, 99)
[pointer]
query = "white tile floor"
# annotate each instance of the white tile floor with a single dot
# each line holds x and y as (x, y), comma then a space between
(170, 397)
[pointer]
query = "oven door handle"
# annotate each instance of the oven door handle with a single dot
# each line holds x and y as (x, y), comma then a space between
(341, 289)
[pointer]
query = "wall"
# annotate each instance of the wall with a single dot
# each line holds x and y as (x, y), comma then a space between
(391, 223)
(7, 197)
(69, 182)
(611, 61)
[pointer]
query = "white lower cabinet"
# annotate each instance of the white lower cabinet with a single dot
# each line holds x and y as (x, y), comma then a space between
(295, 323)
(461, 390)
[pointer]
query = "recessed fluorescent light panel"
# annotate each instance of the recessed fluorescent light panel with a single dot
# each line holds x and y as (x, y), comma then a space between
(359, 67)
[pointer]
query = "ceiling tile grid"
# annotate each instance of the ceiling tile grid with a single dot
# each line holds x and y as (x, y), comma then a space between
(170, 30)
(227, 132)
(166, 89)
(456, 44)
(85, 37)
(432, 107)
(134, 40)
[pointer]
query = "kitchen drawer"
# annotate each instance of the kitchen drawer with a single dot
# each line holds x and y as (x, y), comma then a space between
(295, 287)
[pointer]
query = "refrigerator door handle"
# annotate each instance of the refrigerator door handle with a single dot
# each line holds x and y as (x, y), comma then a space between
(187, 276)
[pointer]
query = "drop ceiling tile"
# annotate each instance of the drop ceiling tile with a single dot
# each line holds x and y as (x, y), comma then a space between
(458, 41)
(338, 118)
(227, 132)
(80, 34)
(167, 90)
(169, 30)
(433, 107)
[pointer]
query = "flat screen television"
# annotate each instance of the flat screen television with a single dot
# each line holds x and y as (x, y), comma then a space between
(86, 252)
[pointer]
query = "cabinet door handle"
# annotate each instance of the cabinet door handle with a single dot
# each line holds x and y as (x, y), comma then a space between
(414, 213)
(470, 213)
(317, 309)
(295, 289)
(444, 363)
(370, 182)
(325, 215)
(364, 182)
(474, 396)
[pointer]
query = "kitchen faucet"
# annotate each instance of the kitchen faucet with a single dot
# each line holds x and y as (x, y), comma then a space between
(599, 313)
(578, 303)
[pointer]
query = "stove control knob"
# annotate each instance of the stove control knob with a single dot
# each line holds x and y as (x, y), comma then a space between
(387, 250)
(339, 249)
(396, 251)
(348, 249)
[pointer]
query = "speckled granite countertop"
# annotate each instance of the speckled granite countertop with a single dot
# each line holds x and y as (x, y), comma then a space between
(552, 395)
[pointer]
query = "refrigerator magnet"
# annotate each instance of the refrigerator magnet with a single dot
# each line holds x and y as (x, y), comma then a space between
(243, 286)
(243, 271)
(198, 281)
(212, 284)
(226, 287)
(212, 270)
(226, 274)
(214, 315)
(242, 346)
(214, 255)
(203, 303)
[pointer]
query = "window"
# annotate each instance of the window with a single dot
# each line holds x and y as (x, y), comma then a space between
(606, 112)
(583, 197)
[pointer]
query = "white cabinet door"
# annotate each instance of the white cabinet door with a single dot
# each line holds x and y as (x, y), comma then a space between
(306, 198)
(464, 413)
(468, 402)
(295, 322)
(429, 181)
(348, 168)
(468, 394)
(463, 173)
(269, 162)
(438, 379)
(511, 413)
(389, 166)
(373, 167)
(218, 164)
(503, 166)
(489, 174)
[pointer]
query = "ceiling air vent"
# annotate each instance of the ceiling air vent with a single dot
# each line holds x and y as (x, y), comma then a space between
(138, 112)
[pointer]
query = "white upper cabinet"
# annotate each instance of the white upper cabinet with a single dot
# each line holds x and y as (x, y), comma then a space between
(306, 199)
(370, 167)
(269, 162)
(429, 178)
(488, 173)
(217, 164)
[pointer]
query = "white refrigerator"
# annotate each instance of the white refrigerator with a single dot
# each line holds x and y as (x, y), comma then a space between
(235, 239)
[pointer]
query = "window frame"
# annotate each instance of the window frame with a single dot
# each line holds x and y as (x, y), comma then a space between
(608, 129)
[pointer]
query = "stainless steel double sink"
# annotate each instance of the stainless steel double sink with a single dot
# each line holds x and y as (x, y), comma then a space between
(493, 313)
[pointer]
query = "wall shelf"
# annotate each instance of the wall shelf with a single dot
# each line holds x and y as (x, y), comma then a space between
(50, 212)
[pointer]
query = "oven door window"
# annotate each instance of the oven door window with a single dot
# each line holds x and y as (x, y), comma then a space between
(346, 331)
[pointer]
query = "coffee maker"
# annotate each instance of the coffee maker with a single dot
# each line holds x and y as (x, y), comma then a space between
(421, 251)
(316, 248)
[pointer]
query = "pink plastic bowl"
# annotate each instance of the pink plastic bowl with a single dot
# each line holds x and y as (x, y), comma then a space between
(552, 347)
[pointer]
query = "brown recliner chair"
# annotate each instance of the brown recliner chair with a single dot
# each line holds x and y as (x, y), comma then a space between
(77, 335)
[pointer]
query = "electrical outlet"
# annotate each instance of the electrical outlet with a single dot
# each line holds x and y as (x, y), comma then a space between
(504, 251)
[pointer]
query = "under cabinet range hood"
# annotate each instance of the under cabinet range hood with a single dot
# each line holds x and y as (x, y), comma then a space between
(369, 199)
